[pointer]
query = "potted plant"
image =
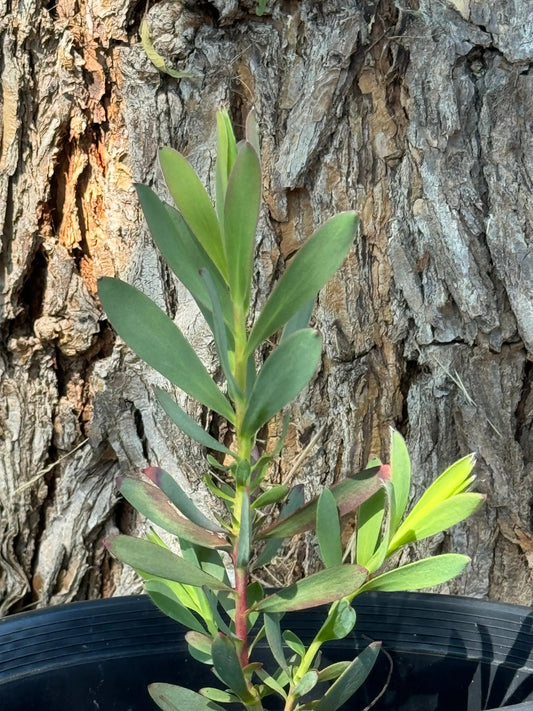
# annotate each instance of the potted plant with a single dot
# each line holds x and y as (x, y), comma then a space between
(263, 658)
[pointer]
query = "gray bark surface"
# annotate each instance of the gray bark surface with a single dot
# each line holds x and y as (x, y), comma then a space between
(417, 115)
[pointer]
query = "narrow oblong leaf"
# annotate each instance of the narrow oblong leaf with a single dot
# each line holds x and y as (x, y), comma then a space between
(349, 494)
(182, 252)
(163, 597)
(274, 639)
(400, 465)
(294, 501)
(423, 573)
(153, 503)
(158, 341)
(333, 671)
(370, 518)
(350, 680)
(438, 518)
(226, 154)
(228, 667)
(300, 320)
(306, 684)
(214, 694)
(285, 373)
(195, 205)
(328, 529)
(318, 589)
(177, 698)
(155, 560)
(241, 212)
(316, 261)
(179, 498)
(271, 496)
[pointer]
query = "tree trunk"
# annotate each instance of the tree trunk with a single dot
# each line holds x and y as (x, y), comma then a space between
(417, 115)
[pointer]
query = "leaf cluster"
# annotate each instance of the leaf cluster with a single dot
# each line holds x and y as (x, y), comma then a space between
(208, 586)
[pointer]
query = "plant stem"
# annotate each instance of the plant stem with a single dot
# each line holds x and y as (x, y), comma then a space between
(241, 619)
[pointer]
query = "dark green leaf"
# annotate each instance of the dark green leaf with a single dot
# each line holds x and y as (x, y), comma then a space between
(350, 680)
(274, 639)
(318, 589)
(186, 423)
(158, 341)
(423, 573)
(155, 505)
(349, 494)
(339, 623)
(164, 598)
(316, 261)
(328, 529)
(194, 204)
(228, 667)
(286, 372)
(294, 501)
(177, 698)
(299, 320)
(241, 211)
(153, 559)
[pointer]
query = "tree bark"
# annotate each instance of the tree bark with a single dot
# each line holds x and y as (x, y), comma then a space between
(416, 114)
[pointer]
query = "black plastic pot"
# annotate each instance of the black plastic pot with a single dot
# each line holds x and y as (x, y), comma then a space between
(447, 653)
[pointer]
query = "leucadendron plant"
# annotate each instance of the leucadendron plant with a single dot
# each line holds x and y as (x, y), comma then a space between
(209, 586)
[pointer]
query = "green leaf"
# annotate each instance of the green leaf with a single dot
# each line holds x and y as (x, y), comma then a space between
(333, 671)
(271, 496)
(164, 598)
(252, 133)
(272, 683)
(349, 494)
(158, 341)
(285, 373)
(380, 554)
(328, 529)
(350, 680)
(400, 476)
(300, 320)
(423, 573)
(306, 684)
(274, 639)
(153, 559)
(153, 503)
(228, 667)
(316, 261)
(241, 212)
(218, 695)
(294, 642)
(179, 498)
(369, 520)
(194, 204)
(186, 423)
(339, 622)
(318, 589)
(182, 252)
(441, 516)
(201, 642)
(226, 154)
(294, 501)
(176, 698)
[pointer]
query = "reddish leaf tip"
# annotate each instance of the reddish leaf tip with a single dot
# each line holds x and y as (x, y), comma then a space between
(118, 481)
(385, 472)
(154, 474)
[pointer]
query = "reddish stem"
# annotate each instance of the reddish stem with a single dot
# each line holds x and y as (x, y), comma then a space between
(241, 620)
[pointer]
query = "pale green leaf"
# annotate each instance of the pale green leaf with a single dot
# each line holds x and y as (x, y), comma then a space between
(271, 496)
(158, 341)
(274, 639)
(214, 694)
(423, 573)
(294, 501)
(369, 521)
(350, 680)
(400, 476)
(165, 599)
(306, 684)
(226, 154)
